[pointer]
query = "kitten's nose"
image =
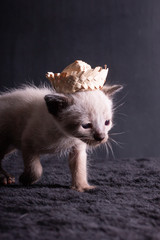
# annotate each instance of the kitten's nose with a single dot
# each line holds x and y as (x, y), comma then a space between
(99, 136)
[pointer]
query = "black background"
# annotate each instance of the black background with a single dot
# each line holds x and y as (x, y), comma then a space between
(40, 36)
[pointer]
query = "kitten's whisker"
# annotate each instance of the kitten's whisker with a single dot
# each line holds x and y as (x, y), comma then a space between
(121, 99)
(114, 134)
(122, 114)
(106, 148)
(114, 141)
(119, 144)
(118, 106)
(119, 103)
(110, 147)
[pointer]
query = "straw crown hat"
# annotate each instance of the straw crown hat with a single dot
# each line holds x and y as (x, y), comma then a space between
(78, 76)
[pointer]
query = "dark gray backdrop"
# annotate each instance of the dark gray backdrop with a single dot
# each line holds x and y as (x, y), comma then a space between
(40, 36)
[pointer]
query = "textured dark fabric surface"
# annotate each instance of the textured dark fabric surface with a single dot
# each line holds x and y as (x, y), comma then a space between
(125, 205)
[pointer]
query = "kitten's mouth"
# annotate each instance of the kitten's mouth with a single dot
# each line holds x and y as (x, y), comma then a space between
(92, 142)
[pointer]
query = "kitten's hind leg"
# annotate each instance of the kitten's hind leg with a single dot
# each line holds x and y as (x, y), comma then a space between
(32, 169)
(78, 167)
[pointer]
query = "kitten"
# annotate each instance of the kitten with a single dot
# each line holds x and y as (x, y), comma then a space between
(39, 121)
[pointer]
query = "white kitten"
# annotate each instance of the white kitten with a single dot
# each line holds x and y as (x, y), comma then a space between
(39, 120)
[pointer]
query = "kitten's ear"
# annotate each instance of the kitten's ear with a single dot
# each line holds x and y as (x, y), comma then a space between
(57, 103)
(111, 90)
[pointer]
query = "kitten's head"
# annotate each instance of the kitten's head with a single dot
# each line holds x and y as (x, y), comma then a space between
(84, 115)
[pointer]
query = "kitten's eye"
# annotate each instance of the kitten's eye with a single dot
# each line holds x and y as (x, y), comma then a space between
(107, 122)
(87, 125)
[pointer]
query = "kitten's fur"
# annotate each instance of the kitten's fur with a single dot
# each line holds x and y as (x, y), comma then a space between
(39, 120)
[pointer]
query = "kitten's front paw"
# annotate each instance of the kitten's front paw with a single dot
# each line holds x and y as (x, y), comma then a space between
(82, 188)
(6, 178)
